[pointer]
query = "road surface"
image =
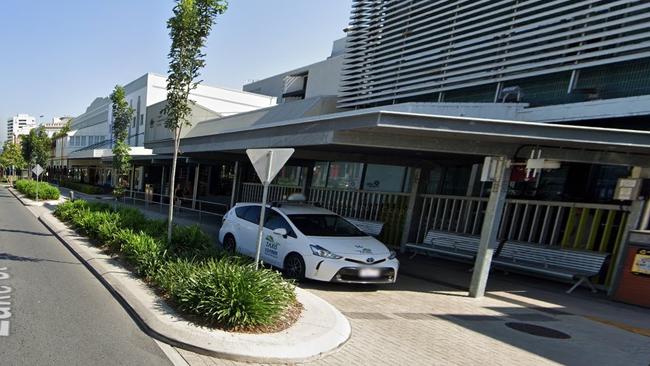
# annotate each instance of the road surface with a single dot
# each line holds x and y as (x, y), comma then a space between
(53, 311)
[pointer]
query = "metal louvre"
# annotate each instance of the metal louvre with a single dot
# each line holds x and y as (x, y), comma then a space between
(400, 49)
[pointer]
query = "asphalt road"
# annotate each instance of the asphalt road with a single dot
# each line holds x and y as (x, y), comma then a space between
(54, 310)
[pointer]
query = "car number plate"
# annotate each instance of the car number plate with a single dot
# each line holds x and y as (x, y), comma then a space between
(368, 272)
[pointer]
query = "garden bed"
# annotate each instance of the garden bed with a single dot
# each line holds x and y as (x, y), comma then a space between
(31, 188)
(210, 287)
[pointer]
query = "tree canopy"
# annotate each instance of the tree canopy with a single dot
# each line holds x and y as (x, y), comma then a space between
(36, 147)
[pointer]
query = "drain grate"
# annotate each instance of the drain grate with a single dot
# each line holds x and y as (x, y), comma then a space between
(537, 330)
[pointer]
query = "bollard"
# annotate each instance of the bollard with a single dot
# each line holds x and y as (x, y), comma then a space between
(71, 195)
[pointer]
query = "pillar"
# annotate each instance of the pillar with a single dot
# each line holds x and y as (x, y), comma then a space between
(415, 188)
(196, 184)
(162, 185)
(235, 184)
(490, 228)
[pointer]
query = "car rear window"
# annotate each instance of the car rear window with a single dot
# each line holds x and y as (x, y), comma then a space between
(252, 214)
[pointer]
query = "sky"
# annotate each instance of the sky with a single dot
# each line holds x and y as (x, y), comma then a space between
(57, 56)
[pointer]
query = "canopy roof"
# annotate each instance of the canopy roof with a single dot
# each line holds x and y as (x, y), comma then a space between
(384, 132)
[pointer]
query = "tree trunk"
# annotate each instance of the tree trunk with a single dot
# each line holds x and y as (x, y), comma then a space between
(172, 183)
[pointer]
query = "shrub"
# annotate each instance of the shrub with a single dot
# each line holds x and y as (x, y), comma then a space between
(226, 292)
(145, 252)
(189, 240)
(81, 187)
(222, 290)
(30, 187)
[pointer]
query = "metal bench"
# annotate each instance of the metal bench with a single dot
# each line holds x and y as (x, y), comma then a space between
(372, 228)
(570, 265)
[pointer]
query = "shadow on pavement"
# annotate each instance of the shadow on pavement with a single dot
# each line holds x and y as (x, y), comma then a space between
(25, 232)
(17, 258)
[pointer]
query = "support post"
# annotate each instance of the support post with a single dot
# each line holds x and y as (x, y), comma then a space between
(162, 185)
(196, 184)
(634, 220)
(307, 179)
(415, 188)
(235, 185)
(490, 229)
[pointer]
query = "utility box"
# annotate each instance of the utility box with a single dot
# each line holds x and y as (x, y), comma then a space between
(634, 282)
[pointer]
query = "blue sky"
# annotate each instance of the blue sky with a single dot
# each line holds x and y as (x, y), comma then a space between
(57, 56)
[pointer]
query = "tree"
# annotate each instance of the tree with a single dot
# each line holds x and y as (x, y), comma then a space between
(36, 147)
(189, 29)
(122, 115)
(11, 158)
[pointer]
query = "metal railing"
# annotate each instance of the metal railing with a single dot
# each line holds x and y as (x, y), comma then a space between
(572, 225)
(188, 208)
(252, 192)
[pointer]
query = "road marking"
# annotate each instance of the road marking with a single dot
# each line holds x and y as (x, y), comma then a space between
(5, 310)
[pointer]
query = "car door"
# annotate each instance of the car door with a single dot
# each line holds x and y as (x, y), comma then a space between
(248, 230)
(274, 246)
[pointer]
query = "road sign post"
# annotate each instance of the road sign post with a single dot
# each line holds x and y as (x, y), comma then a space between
(38, 170)
(267, 164)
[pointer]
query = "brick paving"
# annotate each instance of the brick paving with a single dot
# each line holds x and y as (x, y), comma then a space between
(433, 322)
(418, 322)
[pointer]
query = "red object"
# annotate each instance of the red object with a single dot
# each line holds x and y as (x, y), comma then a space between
(633, 288)
(518, 174)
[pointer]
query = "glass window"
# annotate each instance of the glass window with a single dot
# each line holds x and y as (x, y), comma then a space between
(344, 175)
(240, 211)
(387, 178)
(83, 140)
(325, 225)
(289, 176)
(319, 178)
(252, 214)
(275, 221)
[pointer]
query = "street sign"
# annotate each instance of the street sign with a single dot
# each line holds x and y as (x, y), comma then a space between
(38, 170)
(267, 164)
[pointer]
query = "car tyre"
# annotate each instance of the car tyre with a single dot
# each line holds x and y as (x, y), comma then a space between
(229, 243)
(294, 267)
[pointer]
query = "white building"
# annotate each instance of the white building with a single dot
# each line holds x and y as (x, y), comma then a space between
(18, 125)
(55, 125)
(320, 78)
(87, 148)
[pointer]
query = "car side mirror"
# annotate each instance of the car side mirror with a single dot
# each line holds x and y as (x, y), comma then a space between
(280, 231)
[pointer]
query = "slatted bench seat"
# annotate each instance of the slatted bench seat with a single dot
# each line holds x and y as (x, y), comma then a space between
(372, 228)
(569, 265)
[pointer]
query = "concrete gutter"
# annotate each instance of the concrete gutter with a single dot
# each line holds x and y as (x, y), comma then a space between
(320, 330)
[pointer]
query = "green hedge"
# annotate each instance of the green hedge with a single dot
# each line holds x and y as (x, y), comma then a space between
(81, 187)
(220, 289)
(45, 190)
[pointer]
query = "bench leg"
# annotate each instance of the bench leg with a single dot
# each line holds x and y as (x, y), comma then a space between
(579, 282)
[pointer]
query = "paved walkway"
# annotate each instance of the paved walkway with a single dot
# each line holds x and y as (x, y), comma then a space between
(427, 319)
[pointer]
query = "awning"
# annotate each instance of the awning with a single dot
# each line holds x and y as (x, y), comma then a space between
(419, 135)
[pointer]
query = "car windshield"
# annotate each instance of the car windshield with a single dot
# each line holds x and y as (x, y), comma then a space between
(325, 225)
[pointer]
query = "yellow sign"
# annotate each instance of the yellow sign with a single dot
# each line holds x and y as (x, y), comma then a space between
(641, 263)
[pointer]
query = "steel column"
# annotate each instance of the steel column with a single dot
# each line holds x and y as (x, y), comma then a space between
(490, 229)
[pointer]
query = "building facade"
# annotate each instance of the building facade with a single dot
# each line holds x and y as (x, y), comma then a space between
(19, 125)
(85, 153)
(541, 53)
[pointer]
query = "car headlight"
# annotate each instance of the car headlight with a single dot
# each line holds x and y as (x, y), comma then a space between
(322, 252)
(392, 255)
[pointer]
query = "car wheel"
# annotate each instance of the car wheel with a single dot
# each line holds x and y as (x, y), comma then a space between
(294, 267)
(229, 243)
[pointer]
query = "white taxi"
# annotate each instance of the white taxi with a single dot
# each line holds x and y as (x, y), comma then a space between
(309, 242)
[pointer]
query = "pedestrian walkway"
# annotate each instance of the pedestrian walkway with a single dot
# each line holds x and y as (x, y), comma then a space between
(427, 319)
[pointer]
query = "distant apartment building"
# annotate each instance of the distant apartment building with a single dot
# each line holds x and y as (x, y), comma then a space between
(18, 125)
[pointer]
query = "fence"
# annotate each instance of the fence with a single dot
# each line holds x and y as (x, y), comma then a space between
(252, 192)
(569, 225)
(193, 209)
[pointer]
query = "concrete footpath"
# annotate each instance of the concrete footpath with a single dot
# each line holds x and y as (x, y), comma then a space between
(427, 319)
(320, 329)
